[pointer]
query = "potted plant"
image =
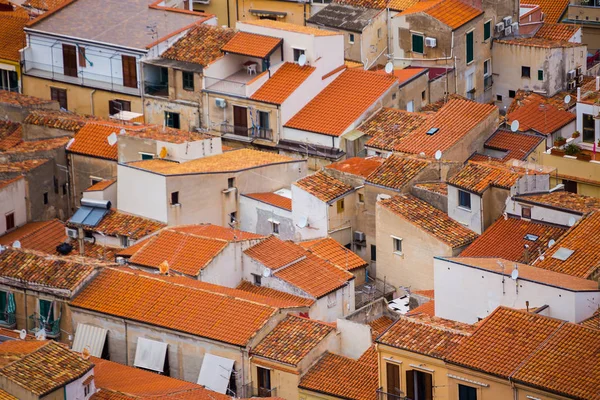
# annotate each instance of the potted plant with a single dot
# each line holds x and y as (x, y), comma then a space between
(560, 141)
(572, 149)
(557, 152)
(584, 156)
(575, 135)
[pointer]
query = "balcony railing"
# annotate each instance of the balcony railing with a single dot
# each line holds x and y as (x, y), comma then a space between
(226, 86)
(8, 320)
(251, 133)
(382, 395)
(37, 323)
(156, 89)
(253, 391)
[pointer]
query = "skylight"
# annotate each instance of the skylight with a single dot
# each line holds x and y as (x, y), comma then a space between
(563, 253)
(531, 237)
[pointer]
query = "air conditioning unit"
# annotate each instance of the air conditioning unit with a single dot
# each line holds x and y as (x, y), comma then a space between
(571, 75)
(221, 103)
(430, 42)
(500, 27)
(571, 85)
(579, 71)
(508, 31)
(515, 28)
(507, 21)
(359, 236)
(72, 233)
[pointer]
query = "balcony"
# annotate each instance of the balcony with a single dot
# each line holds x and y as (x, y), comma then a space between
(382, 395)
(8, 320)
(83, 78)
(36, 323)
(250, 133)
(252, 391)
(234, 84)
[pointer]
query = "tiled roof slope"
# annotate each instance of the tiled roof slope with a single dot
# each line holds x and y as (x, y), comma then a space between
(92, 140)
(100, 186)
(22, 166)
(288, 299)
(538, 42)
(517, 145)
(117, 223)
(11, 134)
(285, 26)
(342, 102)
(593, 321)
(37, 145)
(344, 377)
(429, 337)
(506, 239)
(537, 114)
(323, 186)
(525, 348)
(44, 5)
(39, 236)
(553, 9)
(7, 182)
(379, 325)
(22, 100)
(14, 350)
(425, 308)
(274, 253)
(12, 37)
(283, 83)
(273, 199)
(25, 267)
(358, 166)
(584, 240)
(46, 369)
(395, 5)
(66, 121)
(453, 13)
(292, 339)
(397, 171)
(211, 231)
(562, 32)
(433, 221)
(330, 250)
(435, 187)
(478, 177)
(251, 44)
(6, 396)
(388, 126)
(128, 294)
(563, 200)
(201, 45)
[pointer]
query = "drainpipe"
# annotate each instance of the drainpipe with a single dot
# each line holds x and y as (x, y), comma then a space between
(92, 101)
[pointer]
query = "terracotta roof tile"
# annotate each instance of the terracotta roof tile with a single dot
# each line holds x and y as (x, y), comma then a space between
(563, 200)
(435, 187)
(323, 186)
(453, 13)
(21, 100)
(6, 396)
(593, 321)
(561, 32)
(284, 299)
(129, 294)
(274, 253)
(201, 45)
(430, 336)
(342, 102)
(284, 26)
(396, 5)
(102, 185)
(425, 308)
(379, 325)
(164, 134)
(330, 250)
(92, 140)
(38, 145)
(14, 350)
(283, 83)
(538, 115)
(292, 339)
(516, 145)
(405, 75)
(478, 177)
(358, 166)
(58, 119)
(12, 37)
(538, 42)
(505, 238)
(397, 171)
(252, 44)
(553, 9)
(425, 293)
(273, 199)
(231, 161)
(46, 369)
(389, 126)
(16, 12)
(39, 236)
(117, 223)
(433, 221)
(211, 231)
(22, 166)
(6, 182)
(11, 135)
(583, 239)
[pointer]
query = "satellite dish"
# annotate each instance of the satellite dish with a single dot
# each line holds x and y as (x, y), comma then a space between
(163, 152)
(266, 272)
(438, 155)
(303, 223)
(514, 275)
(389, 68)
(572, 221)
(551, 242)
(514, 126)
(505, 215)
(122, 131)
(112, 139)
(567, 99)
(302, 60)
(16, 244)
(70, 143)
(41, 334)
(22, 334)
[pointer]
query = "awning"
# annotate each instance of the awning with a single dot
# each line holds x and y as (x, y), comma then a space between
(353, 135)
(215, 373)
(91, 337)
(150, 354)
(267, 13)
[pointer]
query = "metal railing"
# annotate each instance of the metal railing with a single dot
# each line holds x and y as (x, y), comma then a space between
(253, 391)
(252, 132)
(225, 86)
(37, 323)
(8, 320)
(382, 395)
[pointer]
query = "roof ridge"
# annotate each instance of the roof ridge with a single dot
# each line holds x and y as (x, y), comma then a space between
(435, 326)
(195, 235)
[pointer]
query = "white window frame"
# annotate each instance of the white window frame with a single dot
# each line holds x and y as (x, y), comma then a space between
(351, 38)
(332, 300)
(273, 225)
(142, 153)
(396, 239)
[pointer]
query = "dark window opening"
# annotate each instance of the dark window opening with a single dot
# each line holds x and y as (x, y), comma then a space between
(59, 95)
(264, 382)
(464, 199)
(233, 217)
(418, 44)
(487, 30)
(172, 120)
(423, 95)
(526, 212)
(55, 185)
(392, 372)
(540, 74)
(570, 186)
(174, 198)
(512, 94)
(525, 72)
(499, 97)
(589, 128)
(419, 385)
(69, 60)
(257, 279)
(470, 49)
(188, 80)
(10, 221)
(46, 198)
(373, 252)
(64, 189)
(230, 183)
(467, 393)
(297, 54)
(116, 106)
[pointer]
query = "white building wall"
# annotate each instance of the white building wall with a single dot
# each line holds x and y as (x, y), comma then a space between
(12, 199)
(307, 205)
(543, 214)
(254, 217)
(473, 218)
(226, 268)
(142, 193)
(75, 390)
(187, 151)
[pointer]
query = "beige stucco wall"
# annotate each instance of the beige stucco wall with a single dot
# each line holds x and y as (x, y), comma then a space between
(586, 173)
(295, 10)
(413, 91)
(284, 378)
(83, 168)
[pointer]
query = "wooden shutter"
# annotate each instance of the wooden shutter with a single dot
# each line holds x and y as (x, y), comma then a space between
(129, 71)
(392, 373)
(410, 384)
(69, 60)
(428, 383)
(81, 56)
(59, 95)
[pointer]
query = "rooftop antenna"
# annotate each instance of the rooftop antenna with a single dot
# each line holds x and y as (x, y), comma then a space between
(389, 68)
(514, 126)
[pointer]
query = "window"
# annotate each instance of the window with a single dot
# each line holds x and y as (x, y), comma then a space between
(297, 54)
(59, 95)
(423, 95)
(410, 106)
(10, 220)
(257, 279)
(470, 55)
(275, 227)
(419, 385)
(361, 198)
(172, 120)
(124, 241)
(498, 97)
(69, 53)
(263, 120)
(487, 67)
(525, 72)
(340, 206)
(129, 66)
(512, 94)
(589, 128)
(230, 183)
(392, 374)
(64, 189)
(464, 199)
(86, 390)
(373, 252)
(233, 217)
(188, 80)
(397, 245)
(351, 38)
(540, 74)
(9, 80)
(116, 106)
(174, 198)
(331, 300)
(467, 393)
(487, 30)
(81, 56)
(146, 156)
(570, 186)
(418, 43)
(526, 212)
(264, 381)
(46, 198)
(46, 310)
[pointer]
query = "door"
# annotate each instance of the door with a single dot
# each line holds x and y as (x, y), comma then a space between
(129, 71)
(240, 121)
(467, 393)
(59, 95)
(69, 60)
(392, 373)
(264, 382)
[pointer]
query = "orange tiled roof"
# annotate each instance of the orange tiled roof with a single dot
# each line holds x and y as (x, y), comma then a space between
(164, 134)
(100, 186)
(478, 177)
(211, 231)
(274, 253)
(561, 32)
(342, 102)
(538, 115)
(506, 239)
(583, 239)
(323, 186)
(13, 350)
(58, 119)
(287, 299)
(425, 293)
(12, 37)
(435, 187)
(344, 377)
(396, 5)
(11, 135)
(22, 166)
(283, 83)
(285, 26)
(330, 250)
(389, 125)
(593, 321)
(6, 182)
(46, 369)
(92, 140)
(37, 145)
(553, 9)
(17, 11)
(453, 13)
(433, 221)
(563, 200)
(397, 171)
(6, 396)
(201, 45)
(252, 44)
(21, 100)
(44, 5)
(404, 75)
(117, 223)
(358, 166)
(39, 236)
(129, 294)
(516, 145)
(379, 325)
(538, 42)
(273, 199)
(292, 339)
(428, 336)
(425, 308)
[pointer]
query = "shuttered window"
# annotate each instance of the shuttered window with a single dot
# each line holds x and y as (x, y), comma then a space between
(69, 60)
(393, 379)
(469, 47)
(418, 44)
(59, 95)
(487, 30)
(129, 71)
(81, 55)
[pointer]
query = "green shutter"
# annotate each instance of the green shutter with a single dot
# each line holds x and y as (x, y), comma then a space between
(469, 47)
(3, 302)
(46, 311)
(487, 30)
(418, 44)
(540, 74)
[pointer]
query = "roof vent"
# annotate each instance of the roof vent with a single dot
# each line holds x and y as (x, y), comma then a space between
(563, 253)
(531, 237)
(433, 131)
